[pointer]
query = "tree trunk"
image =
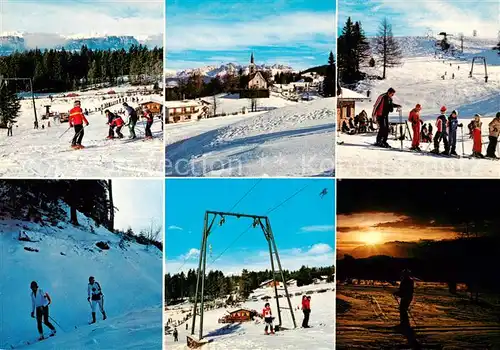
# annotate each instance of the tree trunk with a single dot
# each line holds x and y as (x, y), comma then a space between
(111, 224)
(74, 217)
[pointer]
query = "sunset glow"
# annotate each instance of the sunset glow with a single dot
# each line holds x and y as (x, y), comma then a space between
(372, 237)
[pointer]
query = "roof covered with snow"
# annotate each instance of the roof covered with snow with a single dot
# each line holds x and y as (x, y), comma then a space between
(351, 95)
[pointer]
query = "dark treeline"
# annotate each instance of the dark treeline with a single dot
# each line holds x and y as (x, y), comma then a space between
(181, 285)
(197, 86)
(472, 259)
(354, 51)
(40, 201)
(31, 200)
(61, 70)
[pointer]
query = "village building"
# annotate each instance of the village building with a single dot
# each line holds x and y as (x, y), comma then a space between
(238, 315)
(188, 110)
(256, 79)
(346, 104)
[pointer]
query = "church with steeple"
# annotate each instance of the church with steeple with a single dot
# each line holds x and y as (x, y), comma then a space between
(256, 79)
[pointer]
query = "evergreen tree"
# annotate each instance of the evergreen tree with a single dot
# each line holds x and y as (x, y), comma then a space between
(387, 48)
(329, 82)
(9, 104)
(353, 50)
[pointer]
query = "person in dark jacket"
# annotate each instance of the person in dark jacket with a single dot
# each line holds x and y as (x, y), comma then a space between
(441, 133)
(381, 109)
(405, 293)
(453, 125)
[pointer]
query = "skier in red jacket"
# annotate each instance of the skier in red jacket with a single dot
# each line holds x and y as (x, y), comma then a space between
(76, 120)
(306, 309)
(118, 123)
(414, 119)
(476, 135)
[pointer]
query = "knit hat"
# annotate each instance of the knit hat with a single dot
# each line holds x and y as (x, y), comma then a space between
(498, 115)
(418, 106)
(443, 109)
(455, 111)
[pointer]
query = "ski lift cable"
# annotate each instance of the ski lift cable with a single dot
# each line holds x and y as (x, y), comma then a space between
(251, 225)
(234, 206)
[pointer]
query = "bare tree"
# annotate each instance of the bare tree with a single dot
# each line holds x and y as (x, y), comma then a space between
(152, 233)
(386, 47)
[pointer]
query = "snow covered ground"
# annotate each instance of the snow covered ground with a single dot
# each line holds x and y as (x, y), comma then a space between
(130, 279)
(45, 153)
(366, 316)
(419, 81)
(291, 139)
(250, 335)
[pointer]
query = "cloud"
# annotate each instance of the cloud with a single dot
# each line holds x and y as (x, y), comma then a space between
(288, 29)
(193, 253)
(319, 249)
(317, 228)
(141, 19)
(320, 254)
(417, 17)
(173, 227)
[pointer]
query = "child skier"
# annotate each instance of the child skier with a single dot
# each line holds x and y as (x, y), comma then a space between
(494, 128)
(118, 123)
(441, 133)
(149, 122)
(453, 125)
(268, 318)
(40, 302)
(416, 122)
(95, 294)
(476, 135)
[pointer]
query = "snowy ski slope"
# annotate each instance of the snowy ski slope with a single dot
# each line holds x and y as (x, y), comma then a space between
(293, 139)
(250, 335)
(44, 153)
(130, 279)
(419, 80)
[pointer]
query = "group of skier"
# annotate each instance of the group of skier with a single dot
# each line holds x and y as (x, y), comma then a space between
(78, 121)
(446, 128)
(41, 300)
(267, 315)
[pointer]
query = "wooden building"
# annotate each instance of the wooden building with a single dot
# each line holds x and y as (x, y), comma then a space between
(238, 315)
(346, 104)
(188, 110)
(153, 106)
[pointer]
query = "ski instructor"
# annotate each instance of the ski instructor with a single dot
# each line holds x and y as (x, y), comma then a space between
(131, 115)
(76, 120)
(383, 106)
(95, 294)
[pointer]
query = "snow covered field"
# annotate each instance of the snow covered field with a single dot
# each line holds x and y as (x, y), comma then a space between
(250, 335)
(130, 279)
(44, 153)
(419, 81)
(291, 139)
(366, 316)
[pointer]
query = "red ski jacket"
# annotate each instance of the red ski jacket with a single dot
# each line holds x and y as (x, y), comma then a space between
(118, 121)
(414, 118)
(76, 117)
(266, 312)
(478, 142)
(148, 116)
(306, 304)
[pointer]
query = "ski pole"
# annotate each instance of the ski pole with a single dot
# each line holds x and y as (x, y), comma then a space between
(401, 125)
(65, 132)
(57, 324)
(462, 131)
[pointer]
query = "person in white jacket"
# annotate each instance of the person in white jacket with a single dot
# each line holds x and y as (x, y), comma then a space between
(131, 116)
(40, 302)
(95, 297)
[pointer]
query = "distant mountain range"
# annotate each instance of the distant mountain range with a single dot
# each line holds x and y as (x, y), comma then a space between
(394, 249)
(23, 42)
(225, 69)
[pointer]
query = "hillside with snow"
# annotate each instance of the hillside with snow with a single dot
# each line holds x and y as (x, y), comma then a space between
(250, 335)
(47, 152)
(283, 138)
(61, 257)
(420, 80)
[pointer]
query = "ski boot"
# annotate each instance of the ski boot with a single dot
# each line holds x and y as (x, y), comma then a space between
(80, 147)
(445, 153)
(93, 318)
(52, 333)
(386, 145)
(41, 337)
(104, 316)
(435, 151)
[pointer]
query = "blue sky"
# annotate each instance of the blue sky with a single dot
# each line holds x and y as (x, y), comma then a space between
(417, 18)
(299, 33)
(140, 19)
(303, 226)
(138, 202)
